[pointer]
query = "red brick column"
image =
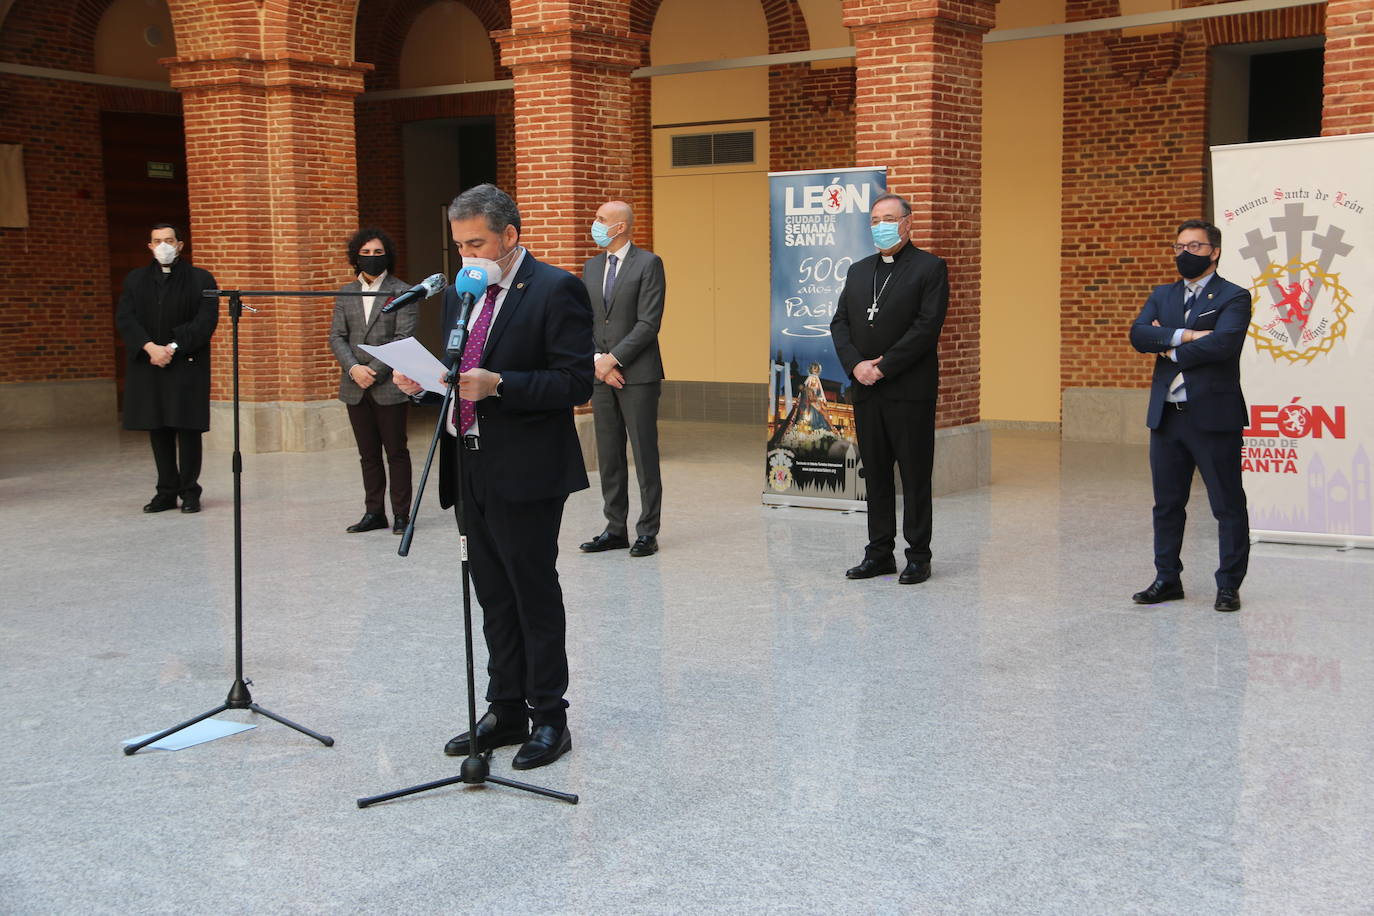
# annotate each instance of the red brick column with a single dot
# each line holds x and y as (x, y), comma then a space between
(1348, 94)
(273, 195)
(918, 110)
(1135, 166)
(574, 118)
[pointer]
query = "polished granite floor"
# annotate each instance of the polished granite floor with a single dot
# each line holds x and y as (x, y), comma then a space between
(752, 732)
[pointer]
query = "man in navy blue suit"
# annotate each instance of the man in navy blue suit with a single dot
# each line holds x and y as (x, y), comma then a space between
(527, 363)
(1196, 329)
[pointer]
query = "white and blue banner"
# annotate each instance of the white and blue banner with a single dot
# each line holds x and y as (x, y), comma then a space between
(1297, 223)
(820, 226)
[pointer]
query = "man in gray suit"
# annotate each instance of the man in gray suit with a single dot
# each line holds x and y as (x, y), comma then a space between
(376, 407)
(626, 287)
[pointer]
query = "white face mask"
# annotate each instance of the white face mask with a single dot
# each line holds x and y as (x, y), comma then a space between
(165, 253)
(493, 268)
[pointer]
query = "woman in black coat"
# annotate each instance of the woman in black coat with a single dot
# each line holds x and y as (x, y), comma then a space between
(167, 324)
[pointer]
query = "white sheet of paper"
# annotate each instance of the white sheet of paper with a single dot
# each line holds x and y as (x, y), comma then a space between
(203, 731)
(410, 358)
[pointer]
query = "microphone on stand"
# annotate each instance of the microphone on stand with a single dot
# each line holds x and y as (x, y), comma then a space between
(468, 284)
(422, 290)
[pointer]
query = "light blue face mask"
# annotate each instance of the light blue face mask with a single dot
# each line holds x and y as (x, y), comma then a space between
(601, 235)
(886, 235)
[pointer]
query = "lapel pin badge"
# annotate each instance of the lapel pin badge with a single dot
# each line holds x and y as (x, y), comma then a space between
(519, 286)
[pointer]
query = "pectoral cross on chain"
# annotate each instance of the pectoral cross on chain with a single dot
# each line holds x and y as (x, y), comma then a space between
(872, 310)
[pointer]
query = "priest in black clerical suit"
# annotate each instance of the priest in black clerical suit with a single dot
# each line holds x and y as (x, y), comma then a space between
(886, 330)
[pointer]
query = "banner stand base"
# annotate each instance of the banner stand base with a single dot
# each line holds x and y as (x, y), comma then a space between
(1313, 539)
(814, 502)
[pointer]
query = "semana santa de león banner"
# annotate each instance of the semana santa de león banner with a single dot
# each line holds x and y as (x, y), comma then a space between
(820, 226)
(1297, 222)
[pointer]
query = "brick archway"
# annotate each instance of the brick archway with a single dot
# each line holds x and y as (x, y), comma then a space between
(61, 34)
(382, 29)
(1109, 156)
(383, 25)
(786, 25)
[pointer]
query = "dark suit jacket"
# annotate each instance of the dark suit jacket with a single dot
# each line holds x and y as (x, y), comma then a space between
(628, 326)
(350, 329)
(905, 331)
(1211, 365)
(160, 310)
(541, 344)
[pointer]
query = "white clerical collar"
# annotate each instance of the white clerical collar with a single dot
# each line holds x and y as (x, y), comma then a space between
(889, 258)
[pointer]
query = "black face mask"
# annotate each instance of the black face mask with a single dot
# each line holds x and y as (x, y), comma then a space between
(372, 264)
(1191, 266)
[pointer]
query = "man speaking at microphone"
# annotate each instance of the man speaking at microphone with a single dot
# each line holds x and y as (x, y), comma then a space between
(527, 363)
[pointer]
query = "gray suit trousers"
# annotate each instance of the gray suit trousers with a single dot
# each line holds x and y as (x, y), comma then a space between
(620, 412)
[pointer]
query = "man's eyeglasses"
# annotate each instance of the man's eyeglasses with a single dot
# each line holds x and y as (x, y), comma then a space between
(1192, 247)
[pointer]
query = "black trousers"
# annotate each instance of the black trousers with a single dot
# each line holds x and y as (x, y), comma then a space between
(177, 478)
(513, 555)
(377, 427)
(1177, 448)
(620, 412)
(902, 433)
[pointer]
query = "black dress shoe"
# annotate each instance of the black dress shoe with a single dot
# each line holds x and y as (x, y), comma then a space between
(399, 525)
(370, 521)
(1158, 591)
(1228, 599)
(190, 504)
(916, 571)
(161, 504)
(491, 733)
(547, 743)
(604, 541)
(645, 545)
(870, 568)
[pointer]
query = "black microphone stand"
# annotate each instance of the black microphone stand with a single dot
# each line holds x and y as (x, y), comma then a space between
(239, 697)
(476, 769)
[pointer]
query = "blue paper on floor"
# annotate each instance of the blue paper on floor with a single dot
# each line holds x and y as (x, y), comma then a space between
(203, 731)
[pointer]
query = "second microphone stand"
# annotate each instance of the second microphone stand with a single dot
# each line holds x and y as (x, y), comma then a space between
(476, 769)
(239, 697)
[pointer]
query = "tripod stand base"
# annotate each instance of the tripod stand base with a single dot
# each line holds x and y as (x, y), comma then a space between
(475, 772)
(239, 698)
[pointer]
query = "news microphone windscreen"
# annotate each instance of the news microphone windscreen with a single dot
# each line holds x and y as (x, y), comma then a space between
(470, 280)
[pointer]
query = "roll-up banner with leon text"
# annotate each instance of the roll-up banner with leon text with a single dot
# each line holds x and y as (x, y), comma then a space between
(1297, 223)
(820, 227)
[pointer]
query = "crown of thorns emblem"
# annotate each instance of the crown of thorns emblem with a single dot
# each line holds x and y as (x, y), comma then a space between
(1308, 308)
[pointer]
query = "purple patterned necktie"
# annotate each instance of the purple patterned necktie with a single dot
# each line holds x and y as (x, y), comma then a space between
(472, 355)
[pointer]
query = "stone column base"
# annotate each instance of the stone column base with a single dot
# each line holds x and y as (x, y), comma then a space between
(1105, 415)
(280, 426)
(963, 459)
(39, 405)
(586, 437)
